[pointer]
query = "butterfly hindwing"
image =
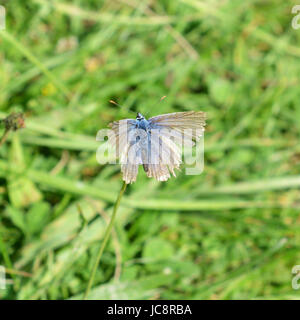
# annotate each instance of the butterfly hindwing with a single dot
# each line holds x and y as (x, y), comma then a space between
(165, 156)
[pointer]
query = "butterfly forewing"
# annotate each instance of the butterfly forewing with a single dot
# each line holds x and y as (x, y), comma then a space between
(190, 122)
(120, 134)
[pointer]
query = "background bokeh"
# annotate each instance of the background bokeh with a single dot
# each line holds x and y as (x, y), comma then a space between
(230, 233)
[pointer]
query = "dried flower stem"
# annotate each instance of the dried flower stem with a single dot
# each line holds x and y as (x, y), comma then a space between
(4, 137)
(105, 239)
(14, 122)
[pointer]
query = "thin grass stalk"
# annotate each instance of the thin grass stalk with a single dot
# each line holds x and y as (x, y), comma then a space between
(104, 242)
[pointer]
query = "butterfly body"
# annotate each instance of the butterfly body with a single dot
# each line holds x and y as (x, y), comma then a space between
(142, 122)
(155, 143)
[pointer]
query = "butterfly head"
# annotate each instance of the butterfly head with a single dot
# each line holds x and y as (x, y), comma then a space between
(139, 116)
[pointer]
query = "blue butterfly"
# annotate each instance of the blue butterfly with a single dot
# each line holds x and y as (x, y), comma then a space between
(155, 143)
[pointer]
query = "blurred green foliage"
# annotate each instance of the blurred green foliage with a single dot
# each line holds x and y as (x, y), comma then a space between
(230, 233)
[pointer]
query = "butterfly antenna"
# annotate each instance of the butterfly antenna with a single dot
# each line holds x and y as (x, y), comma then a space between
(160, 100)
(116, 104)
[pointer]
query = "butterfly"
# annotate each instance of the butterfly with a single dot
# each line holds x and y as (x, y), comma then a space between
(156, 143)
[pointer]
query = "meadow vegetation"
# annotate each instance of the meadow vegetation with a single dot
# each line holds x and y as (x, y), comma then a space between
(231, 232)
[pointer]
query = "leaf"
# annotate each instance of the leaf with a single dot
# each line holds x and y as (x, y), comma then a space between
(37, 217)
(144, 288)
(158, 249)
(17, 217)
(21, 190)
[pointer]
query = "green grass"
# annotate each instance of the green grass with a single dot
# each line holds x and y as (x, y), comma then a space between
(232, 232)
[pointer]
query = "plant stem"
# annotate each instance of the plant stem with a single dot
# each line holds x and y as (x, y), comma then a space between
(105, 239)
(4, 137)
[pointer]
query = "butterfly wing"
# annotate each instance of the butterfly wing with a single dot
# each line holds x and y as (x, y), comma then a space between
(190, 123)
(160, 155)
(118, 137)
(130, 172)
(170, 131)
(123, 138)
(159, 152)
